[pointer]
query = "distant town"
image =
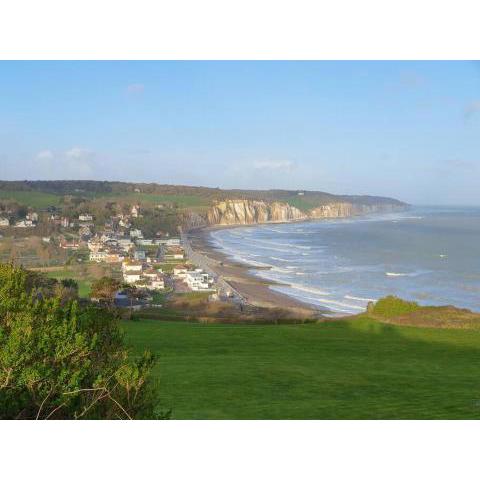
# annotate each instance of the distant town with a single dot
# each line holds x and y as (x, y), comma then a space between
(148, 264)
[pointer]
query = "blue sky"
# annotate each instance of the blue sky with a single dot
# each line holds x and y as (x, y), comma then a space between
(405, 129)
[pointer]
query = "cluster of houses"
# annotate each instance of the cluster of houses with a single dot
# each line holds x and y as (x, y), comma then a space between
(142, 275)
(30, 220)
(196, 279)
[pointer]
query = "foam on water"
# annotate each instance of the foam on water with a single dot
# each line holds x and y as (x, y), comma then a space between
(428, 255)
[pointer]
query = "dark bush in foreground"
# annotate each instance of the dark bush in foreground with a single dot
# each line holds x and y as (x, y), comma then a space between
(60, 361)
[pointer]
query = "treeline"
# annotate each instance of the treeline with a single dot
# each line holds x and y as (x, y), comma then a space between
(63, 360)
(92, 187)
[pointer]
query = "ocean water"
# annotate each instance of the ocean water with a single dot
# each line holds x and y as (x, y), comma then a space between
(430, 255)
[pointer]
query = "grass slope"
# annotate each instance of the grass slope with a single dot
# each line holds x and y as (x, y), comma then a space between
(31, 199)
(335, 370)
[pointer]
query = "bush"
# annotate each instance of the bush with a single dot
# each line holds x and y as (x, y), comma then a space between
(392, 306)
(60, 361)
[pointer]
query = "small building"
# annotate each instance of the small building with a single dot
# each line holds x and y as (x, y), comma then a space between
(135, 211)
(24, 224)
(198, 280)
(132, 277)
(139, 255)
(136, 233)
(180, 271)
(85, 217)
(69, 244)
(4, 222)
(132, 266)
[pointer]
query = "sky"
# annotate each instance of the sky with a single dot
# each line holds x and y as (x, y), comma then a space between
(409, 130)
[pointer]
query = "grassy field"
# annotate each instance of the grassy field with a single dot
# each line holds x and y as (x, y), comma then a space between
(84, 285)
(31, 199)
(154, 199)
(358, 369)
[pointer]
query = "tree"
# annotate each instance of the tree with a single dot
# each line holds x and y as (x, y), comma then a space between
(65, 362)
(104, 289)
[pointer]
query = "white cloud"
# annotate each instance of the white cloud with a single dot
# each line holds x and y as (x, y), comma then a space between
(472, 108)
(277, 165)
(45, 155)
(136, 88)
(78, 152)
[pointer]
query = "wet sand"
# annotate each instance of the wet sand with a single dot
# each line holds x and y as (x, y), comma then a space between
(255, 291)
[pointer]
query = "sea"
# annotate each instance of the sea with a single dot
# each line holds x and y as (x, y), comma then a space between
(427, 254)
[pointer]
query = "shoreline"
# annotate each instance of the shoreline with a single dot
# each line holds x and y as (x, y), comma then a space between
(256, 291)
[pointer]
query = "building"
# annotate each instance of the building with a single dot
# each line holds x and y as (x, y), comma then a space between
(174, 253)
(135, 211)
(4, 222)
(85, 217)
(132, 277)
(132, 266)
(98, 255)
(135, 233)
(154, 279)
(33, 216)
(198, 280)
(139, 255)
(69, 244)
(180, 271)
(24, 224)
(125, 244)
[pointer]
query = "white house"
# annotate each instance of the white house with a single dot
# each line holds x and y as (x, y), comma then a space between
(85, 217)
(180, 271)
(24, 224)
(135, 211)
(136, 233)
(132, 277)
(125, 244)
(98, 255)
(198, 280)
(130, 266)
(4, 222)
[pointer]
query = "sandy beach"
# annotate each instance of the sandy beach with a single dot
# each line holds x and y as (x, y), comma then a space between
(254, 290)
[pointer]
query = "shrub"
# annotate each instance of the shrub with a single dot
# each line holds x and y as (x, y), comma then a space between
(60, 361)
(392, 306)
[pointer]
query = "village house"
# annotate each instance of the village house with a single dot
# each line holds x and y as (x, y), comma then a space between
(98, 255)
(33, 216)
(174, 253)
(139, 255)
(132, 266)
(198, 280)
(154, 279)
(144, 241)
(136, 233)
(69, 244)
(180, 271)
(135, 211)
(125, 244)
(132, 277)
(24, 224)
(85, 217)
(4, 222)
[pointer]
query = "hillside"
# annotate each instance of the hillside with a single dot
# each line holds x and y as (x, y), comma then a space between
(303, 200)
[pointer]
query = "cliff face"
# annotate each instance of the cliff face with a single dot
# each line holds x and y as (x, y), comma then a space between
(247, 212)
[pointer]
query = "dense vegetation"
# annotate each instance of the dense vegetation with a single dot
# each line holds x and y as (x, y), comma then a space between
(357, 369)
(59, 360)
(184, 196)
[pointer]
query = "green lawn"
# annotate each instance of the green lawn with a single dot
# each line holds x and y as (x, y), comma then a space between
(335, 370)
(31, 199)
(84, 285)
(152, 198)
